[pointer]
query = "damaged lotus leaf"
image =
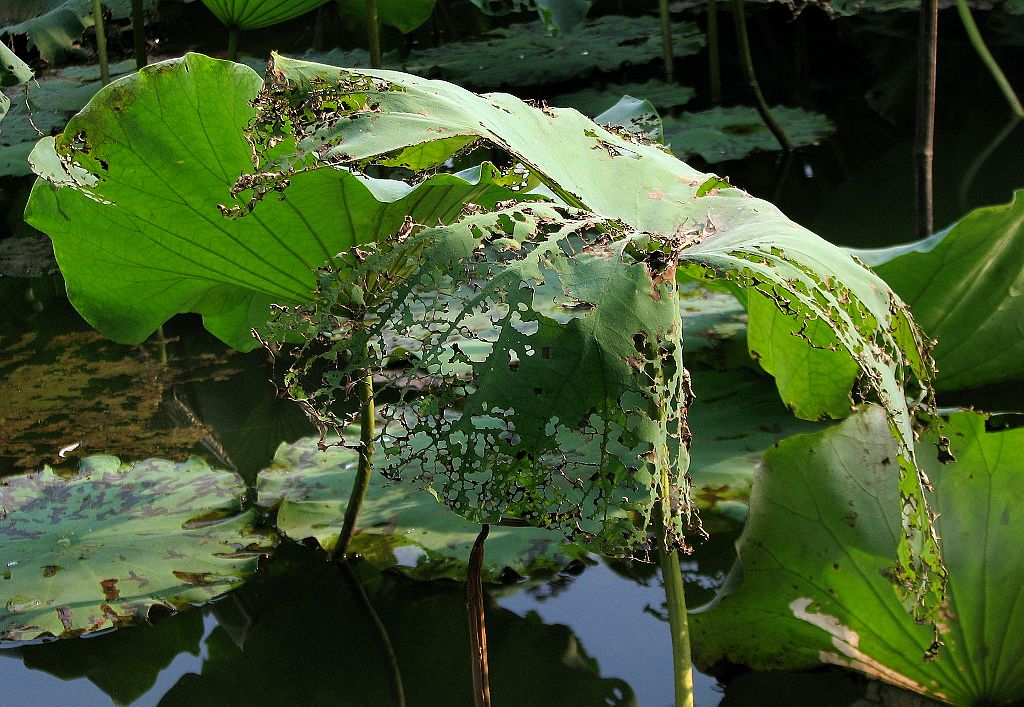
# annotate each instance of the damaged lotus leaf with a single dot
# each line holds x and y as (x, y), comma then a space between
(528, 55)
(13, 72)
(55, 26)
(720, 134)
(129, 195)
(107, 546)
(975, 265)
(600, 412)
(399, 525)
(253, 14)
(808, 587)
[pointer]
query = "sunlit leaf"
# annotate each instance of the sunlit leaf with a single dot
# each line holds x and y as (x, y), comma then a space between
(808, 587)
(965, 286)
(107, 546)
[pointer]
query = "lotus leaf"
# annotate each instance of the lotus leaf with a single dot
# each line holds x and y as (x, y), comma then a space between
(54, 26)
(147, 163)
(527, 55)
(808, 587)
(634, 115)
(592, 101)
(558, 15)
(974, 266)
(720, 134)
(13, 72)
(684, 220)
(400, 525)
(107, 546)
(253, 14)
(403, 15)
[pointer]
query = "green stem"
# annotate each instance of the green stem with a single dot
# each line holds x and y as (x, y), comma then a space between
(387, 647)
(366, 434)
(924, 129)
(233, 43)
(101, 41)
(373, 32)
(666, 41)
(986, 57)
(139, 34)
(675, 598)
(748, 69)
(477, 625)
(714, 58)
(162, 342)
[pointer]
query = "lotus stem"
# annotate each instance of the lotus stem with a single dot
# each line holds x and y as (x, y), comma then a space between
(666, 41)
(101, 41)
(675, 599)
(373, 32)
(477, 625)
(139, 34)
(358, 495)
(233, 43)
(748, 69)
(714, 58)
(986, 57)
(387, 647)
(924, 131)
(162, 343)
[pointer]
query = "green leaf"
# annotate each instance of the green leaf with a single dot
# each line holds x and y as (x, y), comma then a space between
(527, 55)
(253, 14)
(722, 236)
(634, 115)
(13, 72)
(720, 134)
(963, 285)
(55, 26)
(107, 546)
(592, 101)
(807, 588)
(403, 15)
(399, 525)
(130, 192)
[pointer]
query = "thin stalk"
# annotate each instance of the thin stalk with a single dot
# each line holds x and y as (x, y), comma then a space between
(924, 130)
(666, 41)
(162, 342)
(748, 70)
(101, 41)
(679, 625)
(318, 29)
(373, 32)
(986, 57)
(357, 589)
(477, 625)
(139, 34)
(233, 43)
(366, 434)
(714, 58)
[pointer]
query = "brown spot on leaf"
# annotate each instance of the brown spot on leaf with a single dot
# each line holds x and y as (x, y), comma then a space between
(64, 614)
(50, 570)
(196, 579)
(110, 590)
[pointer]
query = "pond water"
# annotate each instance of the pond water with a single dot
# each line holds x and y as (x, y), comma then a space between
(302, 632)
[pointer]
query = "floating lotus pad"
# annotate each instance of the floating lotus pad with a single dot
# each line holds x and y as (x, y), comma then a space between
(592, 101)
(105, 547)
(400, 525)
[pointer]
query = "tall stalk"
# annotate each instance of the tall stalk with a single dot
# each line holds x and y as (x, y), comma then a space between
(748, 70)
(679, 625)
(139, 34)
(667, 56)
(101, 41)
(233, 43)
(373, 33)
(358, 495)
(924, 130)
(477, 625)
(714, 57)
(986, 57)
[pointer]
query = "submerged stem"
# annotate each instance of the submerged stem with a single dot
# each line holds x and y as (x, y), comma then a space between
(139, 34)
(373, 32)
(924, 130)
(666, 41)
(101, 41)
(748, 70)
(366, 434)
(986, 57)
(477, 625)
(382, 632)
